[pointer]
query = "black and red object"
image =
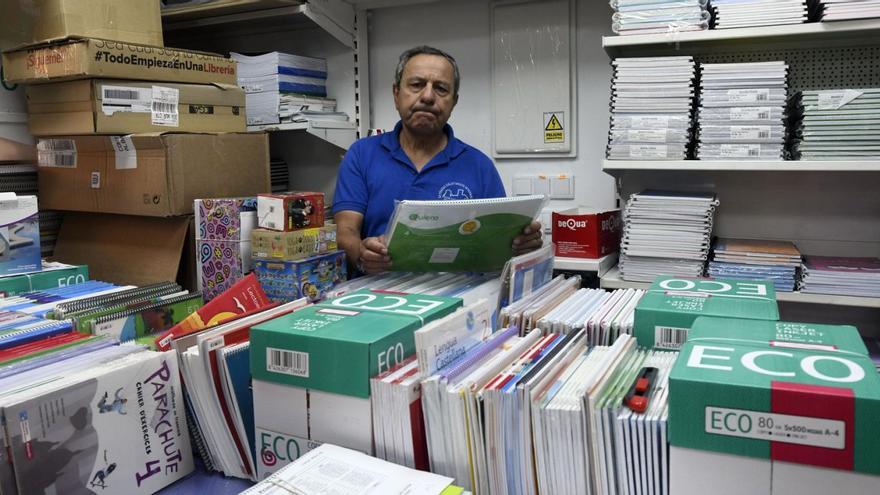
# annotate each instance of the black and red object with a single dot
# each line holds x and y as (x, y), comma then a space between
(637, 397)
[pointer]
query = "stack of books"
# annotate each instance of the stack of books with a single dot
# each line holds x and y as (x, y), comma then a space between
(846, 276)
(652, 101)
(742, 111)
(658, 16)
(752, 13)
(839, 124)
(666, 233)
(842, 10)
(752, 259)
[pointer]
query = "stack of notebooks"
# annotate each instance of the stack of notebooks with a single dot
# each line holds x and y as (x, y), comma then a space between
(840, 125)
(846, 276)
(842, 10)
(742, 111)
(752, 13)
(752, 259)
(666, 233)
(652, 102)
(22, 180)
(658, 16)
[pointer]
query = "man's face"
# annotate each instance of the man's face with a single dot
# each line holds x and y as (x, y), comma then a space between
(425, 97)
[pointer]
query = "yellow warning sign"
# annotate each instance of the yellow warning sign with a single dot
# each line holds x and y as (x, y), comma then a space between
(554, 127)
(554, 124)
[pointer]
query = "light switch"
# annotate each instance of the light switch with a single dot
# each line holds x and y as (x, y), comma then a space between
(547, 220)
(562, 187)
(541, 185)
(522, 185)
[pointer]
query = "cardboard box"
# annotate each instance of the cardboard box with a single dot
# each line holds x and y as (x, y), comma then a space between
(19, 234)
(586, 233)
(338, 345)
(41, 21)
(150, 175)
(223, 242)
(312, 277)
(664, 315)
(98, 58)
(698, 472)
(780, 334)
(51, 276)
(291, 210)
(101, 106)
(292, 246)
(281, 426)
(739, 395)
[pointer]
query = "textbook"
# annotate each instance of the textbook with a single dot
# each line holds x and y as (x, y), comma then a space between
(458, 235)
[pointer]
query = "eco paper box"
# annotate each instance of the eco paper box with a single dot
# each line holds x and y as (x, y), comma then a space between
(586, 233)
(223, 242)
(99, 58)
(40, 21)
(338, 345)
(779, 334)
(664, 315)
(148, 174)
(102, 106)
(312, 277)
(291, 246)
(740, 396)
(19, 234)
(52, 275)
(291, 210)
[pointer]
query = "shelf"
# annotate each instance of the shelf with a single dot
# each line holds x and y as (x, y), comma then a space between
(338, 133)
(612, 280)
(598, 265)
(222, 8)
(612, 166)
(814, 34)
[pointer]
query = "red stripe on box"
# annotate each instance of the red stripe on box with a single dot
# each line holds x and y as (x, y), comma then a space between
(816, 401)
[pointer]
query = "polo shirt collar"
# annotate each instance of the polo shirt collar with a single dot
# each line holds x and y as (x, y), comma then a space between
(454, 147)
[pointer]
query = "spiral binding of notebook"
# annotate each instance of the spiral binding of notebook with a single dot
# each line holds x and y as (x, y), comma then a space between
(35, 332)
(81, 305)
(133, 311)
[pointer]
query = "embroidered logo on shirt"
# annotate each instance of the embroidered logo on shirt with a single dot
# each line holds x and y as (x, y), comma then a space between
(455, 190)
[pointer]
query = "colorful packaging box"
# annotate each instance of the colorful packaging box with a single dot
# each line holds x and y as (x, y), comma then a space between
(814, 404)
(19, 234)
(664, 315)
(586, 233)
(312, 277)
(292, 246)
(338, 345)
(223, 241)
(291, 210)
(52, 275)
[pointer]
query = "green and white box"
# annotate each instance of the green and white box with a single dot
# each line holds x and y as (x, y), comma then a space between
(338, 345)
(779, 334)
(667, 311)
(748, 397)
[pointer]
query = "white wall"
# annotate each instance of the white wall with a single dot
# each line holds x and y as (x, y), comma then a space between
(461, 27)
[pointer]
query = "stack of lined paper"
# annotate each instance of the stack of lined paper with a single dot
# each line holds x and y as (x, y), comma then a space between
(845, 276)
(742, 111)
(651, 108)
(753, 13)
(658, 16)
(842, 10)
(840, 124)
(666, 233)
(753, 259)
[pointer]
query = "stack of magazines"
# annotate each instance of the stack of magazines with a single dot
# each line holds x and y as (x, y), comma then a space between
(666, 233)
(743, 111)
(651, 108)
(753, 13)
(845, 276)
(659, 16)
(841, 124)
(842, 10)
(752, 259)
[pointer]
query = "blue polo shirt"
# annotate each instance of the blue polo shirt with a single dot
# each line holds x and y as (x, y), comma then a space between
(376, 171)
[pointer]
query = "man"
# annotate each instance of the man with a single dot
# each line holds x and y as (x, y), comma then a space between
(421, 159)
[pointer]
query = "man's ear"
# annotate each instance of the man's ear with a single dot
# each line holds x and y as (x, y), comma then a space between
(395, 89)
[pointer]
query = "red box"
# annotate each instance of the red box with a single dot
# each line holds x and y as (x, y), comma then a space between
(292, 210)
(586, 233)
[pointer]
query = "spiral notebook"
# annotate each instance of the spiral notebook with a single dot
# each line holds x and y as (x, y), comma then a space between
(473, 235)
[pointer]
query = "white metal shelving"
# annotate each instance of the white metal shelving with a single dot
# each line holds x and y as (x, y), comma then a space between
(599, 265)
(612, 166)
(338, 133)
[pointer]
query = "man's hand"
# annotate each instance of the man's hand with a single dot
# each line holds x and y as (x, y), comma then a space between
(373, 257)
(529, 240)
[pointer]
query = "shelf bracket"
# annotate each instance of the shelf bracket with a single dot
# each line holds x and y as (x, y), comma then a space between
(335, 17)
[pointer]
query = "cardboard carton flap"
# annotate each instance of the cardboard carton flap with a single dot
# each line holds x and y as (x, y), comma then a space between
(123, 249)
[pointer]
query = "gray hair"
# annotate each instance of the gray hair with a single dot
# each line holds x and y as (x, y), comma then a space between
(426, 50)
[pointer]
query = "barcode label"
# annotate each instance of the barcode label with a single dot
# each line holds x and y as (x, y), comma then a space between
(56, 153)
(56, 145)
(748, 95)
(740, 150)
(646, 135)
(669, 337)
(749, 133)
(750, 113)
(125, 99)
(288, 362)
(164, 106)
(121, 94)
(648, 151)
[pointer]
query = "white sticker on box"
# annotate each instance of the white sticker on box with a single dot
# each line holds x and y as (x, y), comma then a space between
(648, 151)
(443, 255)
(786, 428)
(650, 121)
(669, 337)
(95, 181)
(126, 154)
(748, 95)
(749, 132)
(292, 363)
(750, 113)
(740, 151)
(164, 106)
(646, 135)
(56, 153)
(834, 100)
(125, 99)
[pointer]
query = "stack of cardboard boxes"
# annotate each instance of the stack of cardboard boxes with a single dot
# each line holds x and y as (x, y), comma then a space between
(126, 126)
